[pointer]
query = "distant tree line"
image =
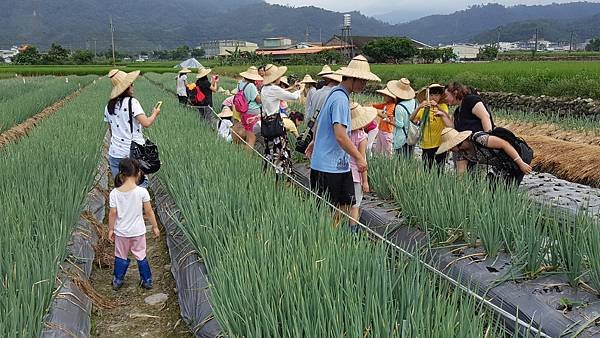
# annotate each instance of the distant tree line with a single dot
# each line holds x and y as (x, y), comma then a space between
(397, 50)
(593, 45)
(58, 55)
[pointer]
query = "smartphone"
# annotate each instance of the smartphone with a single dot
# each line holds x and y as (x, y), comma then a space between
(157, 105)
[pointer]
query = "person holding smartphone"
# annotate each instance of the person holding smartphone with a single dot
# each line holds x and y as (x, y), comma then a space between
(117, 114)
(207, 88)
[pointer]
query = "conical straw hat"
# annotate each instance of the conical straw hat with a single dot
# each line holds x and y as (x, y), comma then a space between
(226, 112)
(358, 68)
(121, 81)
(451, 138)
(272, 73)
(185, 70)
(285, 81)
(202, 72)
(362, 116)
(326, 70)
(251, 74)
(308, 79)
(401, 89)
(333, 76)
(386, 92)
(422, 93)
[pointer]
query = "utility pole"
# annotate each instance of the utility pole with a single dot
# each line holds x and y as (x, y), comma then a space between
(306, 36)
(498, 40)
(112, 38)
(536, 42)
(571, 43)
(95, 48)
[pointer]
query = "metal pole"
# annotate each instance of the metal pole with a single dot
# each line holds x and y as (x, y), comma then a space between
(571, 43)
(112, 38)
(536, 42)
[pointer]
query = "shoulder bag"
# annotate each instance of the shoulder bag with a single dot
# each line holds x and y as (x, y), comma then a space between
(147, 153)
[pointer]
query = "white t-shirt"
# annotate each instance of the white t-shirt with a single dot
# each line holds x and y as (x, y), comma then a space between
(272, 96)
(120, 143)
(225, 129)
(181, 81)
(130, 211)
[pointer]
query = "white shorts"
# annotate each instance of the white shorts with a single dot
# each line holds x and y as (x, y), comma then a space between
(358, 194)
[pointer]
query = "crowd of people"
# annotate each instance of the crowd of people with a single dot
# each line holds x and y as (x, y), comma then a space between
(339, 137)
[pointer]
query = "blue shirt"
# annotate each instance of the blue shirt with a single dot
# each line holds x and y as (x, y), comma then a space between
(402, 122)
(328, 156)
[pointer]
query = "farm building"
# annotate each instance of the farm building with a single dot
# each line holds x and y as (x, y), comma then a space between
(465, 52)
(360, 41)
(302, 49)
(277, 43)
(225, 47)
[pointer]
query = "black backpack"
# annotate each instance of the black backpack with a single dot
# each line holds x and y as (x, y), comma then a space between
(522, 148)
(518, 143)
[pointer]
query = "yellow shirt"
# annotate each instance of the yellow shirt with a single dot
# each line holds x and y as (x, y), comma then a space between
(290, 127)
(432, 134)
(236, 116)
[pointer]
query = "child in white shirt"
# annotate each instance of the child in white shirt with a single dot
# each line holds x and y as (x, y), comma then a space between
(126, 227)
(225, 123)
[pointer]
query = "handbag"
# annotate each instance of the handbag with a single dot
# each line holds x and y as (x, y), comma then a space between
(413, 135)
(147, 153)
(271, 126)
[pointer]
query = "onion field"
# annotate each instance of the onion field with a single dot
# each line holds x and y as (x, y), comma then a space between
(22, 98)
(45, 177)
(277, 265)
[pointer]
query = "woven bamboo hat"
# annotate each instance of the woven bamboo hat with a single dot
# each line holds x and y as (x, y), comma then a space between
(361, 116)
(358, 68)
(185, 70)
(225, 112)
(272, 73)
(251, 74)
(401, 89)
(422, 93)
(121, 81)
(326, 70)
(385, 91)
(333, 76)
(202, 72)
(451, 138)
(285, 81)
(308, 79)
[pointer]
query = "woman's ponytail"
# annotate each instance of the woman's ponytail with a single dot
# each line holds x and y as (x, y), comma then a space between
(119, 180)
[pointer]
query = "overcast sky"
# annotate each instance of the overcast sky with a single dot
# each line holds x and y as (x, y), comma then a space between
(416, 8)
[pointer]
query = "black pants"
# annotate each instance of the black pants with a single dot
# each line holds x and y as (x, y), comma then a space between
(428, 156)
(406, 150)
(182, 99)
(338, 188)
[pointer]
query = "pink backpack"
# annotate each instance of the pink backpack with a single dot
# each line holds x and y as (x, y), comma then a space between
(239, 101)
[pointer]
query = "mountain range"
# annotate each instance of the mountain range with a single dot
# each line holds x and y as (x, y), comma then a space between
(159, 24)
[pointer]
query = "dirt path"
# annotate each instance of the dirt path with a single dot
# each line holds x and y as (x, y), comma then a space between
(133, 317)
(22, 129)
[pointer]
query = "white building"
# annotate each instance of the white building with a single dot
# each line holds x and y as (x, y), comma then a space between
(280, 42)
(7, 55)
(465, 52)
(226, 47)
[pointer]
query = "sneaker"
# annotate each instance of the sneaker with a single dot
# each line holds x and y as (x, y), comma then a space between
(146, 284)
(117, 284)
